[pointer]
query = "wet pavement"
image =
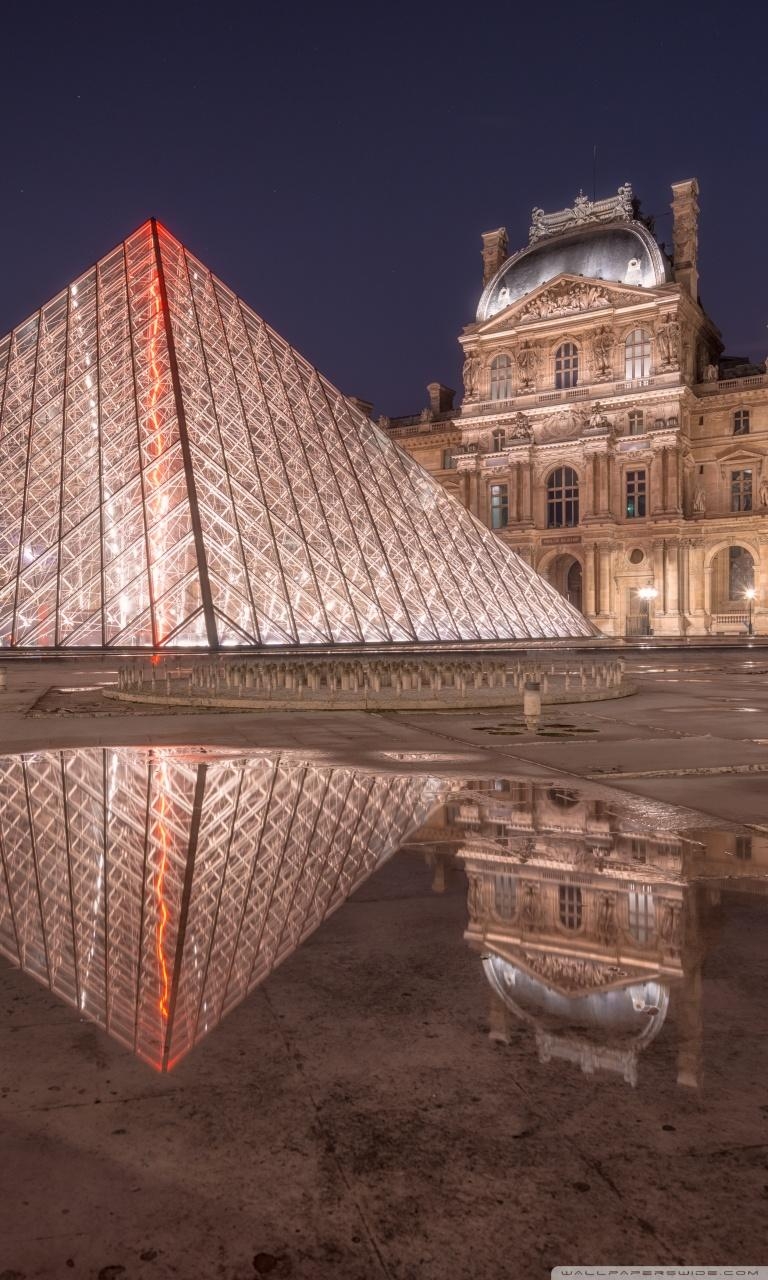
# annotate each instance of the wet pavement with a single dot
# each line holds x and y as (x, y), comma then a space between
(353, 997)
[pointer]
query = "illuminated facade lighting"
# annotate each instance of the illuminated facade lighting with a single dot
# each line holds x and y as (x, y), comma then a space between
(173, 473)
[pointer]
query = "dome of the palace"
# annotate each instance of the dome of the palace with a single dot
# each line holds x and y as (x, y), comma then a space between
(633, 1012)
(624, 253)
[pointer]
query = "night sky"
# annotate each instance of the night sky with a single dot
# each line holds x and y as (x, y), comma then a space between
(335, 164)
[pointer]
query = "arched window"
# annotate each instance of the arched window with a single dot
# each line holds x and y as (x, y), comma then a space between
(566, 365)
(562, 498)
(570, 906)
(637, 354)
(498, 439)
(501, 378)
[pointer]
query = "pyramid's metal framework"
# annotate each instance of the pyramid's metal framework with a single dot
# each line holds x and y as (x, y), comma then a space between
(153, 890)
(173, 473)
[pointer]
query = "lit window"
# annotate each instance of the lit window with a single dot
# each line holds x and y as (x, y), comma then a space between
(635, 482)
(642, 915)
(562, 498)
(637, 354)
(636, 422)
(499, 506)
(741, 490)
(566, 365)
(741, 422)
(498, 439)
(570, 906)
(501, 378)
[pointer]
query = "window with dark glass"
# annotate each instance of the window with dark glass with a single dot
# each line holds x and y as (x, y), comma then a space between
(637, 354)
(499, 506)
(501, 378)
(504, 896)
(448, 459)
(562, 498)
(570, 906)
(642, 915)
(566, 365)
(741, 422)
(741, 490)
(635, 486)
(498, 439)
(636, 427)
(743, 848)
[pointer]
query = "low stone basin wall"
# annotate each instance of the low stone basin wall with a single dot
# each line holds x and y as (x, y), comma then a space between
(397, 683)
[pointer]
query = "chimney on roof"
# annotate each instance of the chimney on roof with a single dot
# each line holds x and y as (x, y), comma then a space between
(440, 397)
(685, 234)
(495, 252)
(365, 406)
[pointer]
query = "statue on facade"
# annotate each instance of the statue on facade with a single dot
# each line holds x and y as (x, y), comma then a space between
(597, 420)
(530, 907)
(606, 926)
(426, 415)
(699, 500)
(527, 362)
(537, 227)
(503, 299)
(470, 372)
(668, 338)
(762, 492)
(634, 272)
(602, 351)
(383, 421)
(520, 428)
(711, 373)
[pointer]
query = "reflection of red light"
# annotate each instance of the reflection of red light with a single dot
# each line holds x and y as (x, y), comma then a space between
(162, 907)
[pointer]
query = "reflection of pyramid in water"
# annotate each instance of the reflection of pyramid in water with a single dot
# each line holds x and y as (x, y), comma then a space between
(173, 473)
(154, 889)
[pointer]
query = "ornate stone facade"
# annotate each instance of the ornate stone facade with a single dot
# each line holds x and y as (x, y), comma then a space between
(603, 434)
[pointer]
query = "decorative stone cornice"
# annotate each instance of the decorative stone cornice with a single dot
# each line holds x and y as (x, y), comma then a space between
(616, 208)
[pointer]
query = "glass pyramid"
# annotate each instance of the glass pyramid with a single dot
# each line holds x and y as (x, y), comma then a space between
(173, 473)
(154, 889)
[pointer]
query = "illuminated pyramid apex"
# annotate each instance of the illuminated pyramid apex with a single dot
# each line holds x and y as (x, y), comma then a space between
(173, 473)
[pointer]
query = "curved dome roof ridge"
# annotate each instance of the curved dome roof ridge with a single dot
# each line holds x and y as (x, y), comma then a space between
(622, 251)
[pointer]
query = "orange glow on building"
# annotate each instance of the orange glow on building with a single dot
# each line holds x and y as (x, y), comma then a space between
(163, 913)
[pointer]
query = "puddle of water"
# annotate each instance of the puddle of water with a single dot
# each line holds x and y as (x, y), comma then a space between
(154, 889)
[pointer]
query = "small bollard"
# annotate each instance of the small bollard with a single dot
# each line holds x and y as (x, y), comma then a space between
(532, 703)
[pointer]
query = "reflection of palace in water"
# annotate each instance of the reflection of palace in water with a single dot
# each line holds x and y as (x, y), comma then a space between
(153, 889)
(590, 923)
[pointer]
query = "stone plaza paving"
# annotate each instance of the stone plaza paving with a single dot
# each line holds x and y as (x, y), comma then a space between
(352, 1117)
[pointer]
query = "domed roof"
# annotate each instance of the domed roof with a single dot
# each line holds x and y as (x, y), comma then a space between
(622, 252)
(633, 1012)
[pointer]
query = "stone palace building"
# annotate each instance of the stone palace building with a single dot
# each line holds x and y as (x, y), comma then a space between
(602, 433)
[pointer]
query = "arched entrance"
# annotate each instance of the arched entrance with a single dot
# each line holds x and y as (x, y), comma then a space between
(565, 574)
(733, 574)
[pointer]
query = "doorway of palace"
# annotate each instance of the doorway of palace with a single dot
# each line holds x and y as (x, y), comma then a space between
(638, 614)
(732, 575)
(565, 574)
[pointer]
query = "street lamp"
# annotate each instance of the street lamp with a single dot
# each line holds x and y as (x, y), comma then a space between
(749, 594)
(648, 595)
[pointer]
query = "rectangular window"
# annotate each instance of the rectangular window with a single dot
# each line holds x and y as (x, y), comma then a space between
(741, 422)
(448, 460)
(741, 490)
(635, 482)
(636, 422)
(499, 506)
(743, 848)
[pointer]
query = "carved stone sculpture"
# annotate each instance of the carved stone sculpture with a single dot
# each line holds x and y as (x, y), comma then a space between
(668, 338)
(602, 351)
(470, 372)
(606, 926)
(530, 906)
(564, 299)
(527, 363)
(711, 373)
(699, 500)
(520, 428)
(762, 492)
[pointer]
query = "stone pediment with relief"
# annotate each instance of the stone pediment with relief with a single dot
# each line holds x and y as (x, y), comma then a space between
(565, 296)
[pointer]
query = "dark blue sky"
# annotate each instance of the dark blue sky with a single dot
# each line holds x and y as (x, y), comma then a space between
(336, 164)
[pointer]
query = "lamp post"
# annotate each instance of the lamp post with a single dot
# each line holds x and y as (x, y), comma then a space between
(749, 595)
(648, 595)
